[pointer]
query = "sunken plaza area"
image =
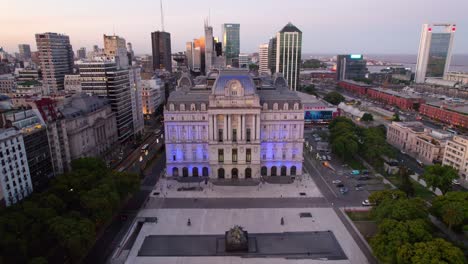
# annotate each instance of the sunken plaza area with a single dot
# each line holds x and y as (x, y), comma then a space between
(310, 232)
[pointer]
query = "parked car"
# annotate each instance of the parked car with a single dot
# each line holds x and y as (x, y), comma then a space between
(340, 185)
(344, 190)
(328, 157)
(359, 186)
(158, 132)
(363, 178)
(336, 181)
(367, 203)
(455, 182)
(420, 163)
(355, 172)
(403, 152)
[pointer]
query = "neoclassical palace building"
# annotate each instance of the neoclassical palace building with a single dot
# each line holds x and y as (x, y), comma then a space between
(231, 125)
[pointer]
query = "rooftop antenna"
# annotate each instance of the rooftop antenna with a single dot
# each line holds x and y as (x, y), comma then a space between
(162, 16)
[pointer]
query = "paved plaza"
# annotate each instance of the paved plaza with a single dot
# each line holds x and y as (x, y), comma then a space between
(217, 221)
(302, 187)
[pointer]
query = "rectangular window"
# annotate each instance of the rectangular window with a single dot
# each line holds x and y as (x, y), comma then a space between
(220, 135)
(248, 135)
(248, 155)
(173, 157)
(234, 135)
(234, 155)
(220, 155)
(284, 155)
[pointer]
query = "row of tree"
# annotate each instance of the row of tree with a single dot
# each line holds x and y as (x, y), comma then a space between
(60, 224)
(348, 140)
(404, 233)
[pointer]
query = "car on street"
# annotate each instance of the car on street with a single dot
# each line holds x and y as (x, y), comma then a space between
(420, 163)
(363, 178)
(355, 172)
(402, 152)
(343, 190)
(158, 132)
(367, 203)
(340, 185)
(336, 181)
(359, 186)
(455, 182)
(328, 157)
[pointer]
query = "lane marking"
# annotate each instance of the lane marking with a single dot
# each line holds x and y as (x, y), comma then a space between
(320, 174)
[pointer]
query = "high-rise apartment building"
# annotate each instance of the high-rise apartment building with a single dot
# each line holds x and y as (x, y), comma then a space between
(350, 67)
(435, 51)
(263, 59)
(81, 53)
(231, 43)
(105, 79)
(115, 48)
(161, 47)
(288, 54)
(24, 51)
(272, 55)
(136, 96)
(15, 183)
(244, 61)
(56, 60)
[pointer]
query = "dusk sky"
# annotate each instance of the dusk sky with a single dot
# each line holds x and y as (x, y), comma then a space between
(338, 26)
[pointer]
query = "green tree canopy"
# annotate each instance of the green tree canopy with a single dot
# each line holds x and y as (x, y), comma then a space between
(440, 176)
(379, 196)
(312, 64)
(406, 183)
(432, 252)
(393, 234)
(334, 98)
(400, 210)
(367, 117)
(452, 208)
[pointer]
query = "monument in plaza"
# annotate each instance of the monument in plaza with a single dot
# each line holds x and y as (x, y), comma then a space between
(237, 240)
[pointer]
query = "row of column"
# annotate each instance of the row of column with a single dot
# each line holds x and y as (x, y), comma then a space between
(241, 127)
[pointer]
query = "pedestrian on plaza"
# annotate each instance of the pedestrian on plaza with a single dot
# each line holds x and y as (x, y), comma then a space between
(282, 221)
(189, 223)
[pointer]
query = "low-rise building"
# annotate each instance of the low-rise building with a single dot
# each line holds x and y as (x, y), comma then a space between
(15, 180)
(7, 83)
(422, 143)
(459, 77)
(354, 87)
(402, 100)
(152, 95)
(316, 110)
(456, 155)
(28, 88)
(454, 113)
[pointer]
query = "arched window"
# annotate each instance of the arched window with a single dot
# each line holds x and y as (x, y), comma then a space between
(275, 106)
(205, 172)
(195, 172)
(264, 171)
(235, 173)
(293, 170)
(182, 107)
(203, 107)
(184, 172)
(265, 106)
(171, 107)
(175, 172)
(296, 106)
(192, 107)
(285, 106)
(283, 170)
(248, 173)
(221, 173)
(273, 171)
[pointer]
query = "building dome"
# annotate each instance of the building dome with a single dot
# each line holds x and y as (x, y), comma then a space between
(235, 80)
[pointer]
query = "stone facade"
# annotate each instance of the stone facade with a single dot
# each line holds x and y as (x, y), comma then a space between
(236, 128)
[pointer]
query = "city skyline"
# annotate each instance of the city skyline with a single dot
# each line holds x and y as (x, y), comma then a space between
(325, 25)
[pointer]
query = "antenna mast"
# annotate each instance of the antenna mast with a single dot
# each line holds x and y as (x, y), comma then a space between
(162, 16)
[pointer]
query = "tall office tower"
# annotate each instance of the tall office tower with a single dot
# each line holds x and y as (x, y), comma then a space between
(199, 56)
(24, 51)
(116, 47)
(136, 96)
(189, 54)
(209, 48)
(272, 55)
(350, 67)
(231, 43)
(130, 53)
(15, 182)
(162, 55)
(105, 79)
(435, 51)
(288, 54)
(81, 53)
(56, 60)
(263, 59)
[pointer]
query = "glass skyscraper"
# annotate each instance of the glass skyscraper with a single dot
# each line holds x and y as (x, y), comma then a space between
(435, 51)
(231, 43)
(288, 54)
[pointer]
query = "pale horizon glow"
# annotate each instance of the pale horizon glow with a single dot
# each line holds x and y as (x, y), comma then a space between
(329, 27)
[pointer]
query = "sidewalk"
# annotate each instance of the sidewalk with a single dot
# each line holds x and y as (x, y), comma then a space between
(302, 187)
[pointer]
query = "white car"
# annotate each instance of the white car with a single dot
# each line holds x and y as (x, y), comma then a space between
(367, 203)
(455, 182)
(336, 181)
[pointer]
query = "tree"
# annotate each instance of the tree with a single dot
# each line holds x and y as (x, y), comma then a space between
(440, 176)
(452, 215)
(393, 234)
(334, 98)
(396, 117)
(313, 64)
(400, 210)
(406, 183)
(310, 89)
(367, 117)
(374, 146)
(380, 196)
(433, 251)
